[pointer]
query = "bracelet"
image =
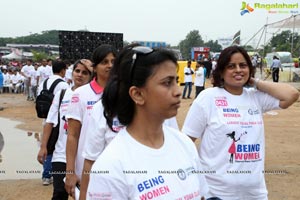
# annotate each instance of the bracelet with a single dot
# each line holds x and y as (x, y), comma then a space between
(255, 83)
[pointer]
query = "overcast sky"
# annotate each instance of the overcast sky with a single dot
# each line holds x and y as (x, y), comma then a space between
(152, 20)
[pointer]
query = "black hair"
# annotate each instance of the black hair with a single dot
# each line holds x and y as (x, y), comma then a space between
(224, 60)
(231, 135)
(116, 99)
(58, 66)
(101, 52)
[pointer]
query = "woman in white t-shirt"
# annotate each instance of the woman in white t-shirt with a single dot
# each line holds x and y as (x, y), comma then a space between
(79, 113)
(100, 135)
(81, 75)
(146, 160)
(228, 119)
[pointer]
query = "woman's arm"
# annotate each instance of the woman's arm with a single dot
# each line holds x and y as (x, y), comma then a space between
(286, 93)
(85, 178)
(74, 127)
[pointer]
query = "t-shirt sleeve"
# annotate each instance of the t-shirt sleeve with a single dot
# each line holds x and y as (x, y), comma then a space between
(266, 101)
(196, 119)
(76, 107)
(53, 112)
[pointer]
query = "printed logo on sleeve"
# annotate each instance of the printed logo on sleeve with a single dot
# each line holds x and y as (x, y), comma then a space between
(75, 98)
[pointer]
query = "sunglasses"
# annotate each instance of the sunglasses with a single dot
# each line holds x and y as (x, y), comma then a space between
(142, 50)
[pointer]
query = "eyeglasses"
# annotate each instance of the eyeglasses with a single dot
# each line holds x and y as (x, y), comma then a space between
(234, 65)
(138, 50)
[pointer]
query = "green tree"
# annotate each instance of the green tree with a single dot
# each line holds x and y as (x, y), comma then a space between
(213, 45)
(249, 48)
(46, 37)
(193, 39)
(38, 56)
(283, 42)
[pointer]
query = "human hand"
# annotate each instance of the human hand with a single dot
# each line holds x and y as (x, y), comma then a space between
(42, 155)
(70, 184)
(88, 64)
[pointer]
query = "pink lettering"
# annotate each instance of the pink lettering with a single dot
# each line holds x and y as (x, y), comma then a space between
(247, 156)
(238, 156)
(221, 103)
(251, 156)
(155, 193)
(188, 196)
(231, 115)
(75, 99)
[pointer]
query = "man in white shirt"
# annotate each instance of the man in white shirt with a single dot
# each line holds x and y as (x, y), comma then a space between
(188, 80)
(199, 78)
(15, 81)
(59, 70)
(43, 72)
(26, 72)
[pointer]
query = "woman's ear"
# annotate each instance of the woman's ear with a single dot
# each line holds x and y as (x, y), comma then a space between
(136, 95)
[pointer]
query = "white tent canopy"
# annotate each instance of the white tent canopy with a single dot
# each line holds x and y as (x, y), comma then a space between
(291, 22)
(11, 56)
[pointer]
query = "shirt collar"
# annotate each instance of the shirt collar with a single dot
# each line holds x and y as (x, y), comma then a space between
(96, 87)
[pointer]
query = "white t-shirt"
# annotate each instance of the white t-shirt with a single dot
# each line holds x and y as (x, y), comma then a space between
(26, 69)
(59, 154)
(214, 65)
(80, 109)
(199, 77)
(128, 169)
(15, 78)
(33, 76)
(69, 73)
(100, 135)
(188, 78)
(213, 115)
(44, 72)
(61, 85)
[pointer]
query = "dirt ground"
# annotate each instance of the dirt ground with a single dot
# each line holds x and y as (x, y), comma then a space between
(282, 150)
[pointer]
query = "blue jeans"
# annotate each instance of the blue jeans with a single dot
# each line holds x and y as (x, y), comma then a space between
(47, 167)
(188, 85)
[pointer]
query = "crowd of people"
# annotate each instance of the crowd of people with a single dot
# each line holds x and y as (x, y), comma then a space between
(118, 134)
(25, 77)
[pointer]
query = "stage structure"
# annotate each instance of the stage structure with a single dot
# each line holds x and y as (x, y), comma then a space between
(75, 45)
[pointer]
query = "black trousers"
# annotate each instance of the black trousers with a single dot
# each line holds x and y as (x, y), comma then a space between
(58, 174)
(198, 90)
(275, 74)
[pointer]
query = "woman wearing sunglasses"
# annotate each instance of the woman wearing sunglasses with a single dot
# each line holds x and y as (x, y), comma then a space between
(146, 159)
